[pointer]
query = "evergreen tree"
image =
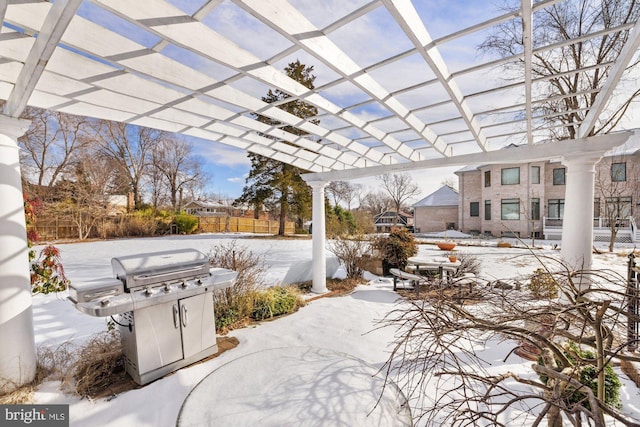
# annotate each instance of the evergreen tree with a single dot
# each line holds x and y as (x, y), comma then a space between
(272, 181)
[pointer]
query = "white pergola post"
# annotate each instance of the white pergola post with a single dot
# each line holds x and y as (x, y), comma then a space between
(318, 255)
(577, 224)
(18, 353)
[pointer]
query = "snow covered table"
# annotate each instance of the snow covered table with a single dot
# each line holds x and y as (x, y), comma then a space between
(301, 386)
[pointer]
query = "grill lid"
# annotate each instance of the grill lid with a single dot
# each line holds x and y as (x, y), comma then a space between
(154, 268)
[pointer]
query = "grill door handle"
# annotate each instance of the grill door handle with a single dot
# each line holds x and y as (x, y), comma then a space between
(176, 316)
(184, 316)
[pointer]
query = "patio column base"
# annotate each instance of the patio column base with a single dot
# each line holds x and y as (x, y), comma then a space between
(18, 354)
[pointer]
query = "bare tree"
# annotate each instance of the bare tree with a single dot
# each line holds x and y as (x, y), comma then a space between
(568, 97)
(157, 187)
(51, 144)
(343, 191)
(129, 146)
(450, 182)
(437, 355)
(616, 185)
(375, 202)
(173, 158)
(400, 188)
(86, 193)
(350, 193)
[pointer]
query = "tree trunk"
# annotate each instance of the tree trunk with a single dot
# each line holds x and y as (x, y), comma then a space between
(612, 238)
(283, 216)
(284, 210)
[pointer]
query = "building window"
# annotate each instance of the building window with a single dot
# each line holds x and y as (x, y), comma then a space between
(474, 209)
(559, 176)
(535, 209)
(487, 178)
(510, 176)
(535, 174)
(618, 172)
(510, 209)
(618, 207)
(596, 207)
(556, 208)
(487, 210)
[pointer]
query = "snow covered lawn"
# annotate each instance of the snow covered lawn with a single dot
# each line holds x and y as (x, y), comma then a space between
(347, 324)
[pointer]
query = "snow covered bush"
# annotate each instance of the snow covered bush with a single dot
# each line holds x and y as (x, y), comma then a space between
(235, 304)
(396, 248)
(276, 301)
(543, 284)
(349, 253)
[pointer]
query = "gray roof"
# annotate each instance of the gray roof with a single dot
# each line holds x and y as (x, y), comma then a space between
(468, 168)
(444, 196)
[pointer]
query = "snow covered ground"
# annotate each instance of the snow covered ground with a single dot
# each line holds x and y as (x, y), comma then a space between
(344, 324)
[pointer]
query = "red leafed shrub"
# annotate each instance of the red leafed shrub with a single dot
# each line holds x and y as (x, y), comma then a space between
(47, 272)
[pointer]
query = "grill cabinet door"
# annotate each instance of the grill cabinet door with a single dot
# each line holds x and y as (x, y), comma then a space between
(198, 324)
(158, 336)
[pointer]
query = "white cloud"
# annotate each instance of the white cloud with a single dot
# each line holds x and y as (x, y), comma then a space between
(219, 154)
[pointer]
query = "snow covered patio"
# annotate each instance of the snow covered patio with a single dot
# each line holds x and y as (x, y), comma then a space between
(344, 325)
(186, 68)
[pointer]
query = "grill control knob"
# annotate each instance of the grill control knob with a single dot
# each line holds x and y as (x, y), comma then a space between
(148, 292)
(104, 302)
(184, 285)
(199, 282)
(167, 288)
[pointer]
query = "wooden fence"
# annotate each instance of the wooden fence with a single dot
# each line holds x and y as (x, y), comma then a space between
(230, 224)
(57, 228)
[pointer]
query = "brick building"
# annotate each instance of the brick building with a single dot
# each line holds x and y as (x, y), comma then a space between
(437, 212)
(528, 199)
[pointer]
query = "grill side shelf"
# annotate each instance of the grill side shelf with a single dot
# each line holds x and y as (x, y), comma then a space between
(217, 278)
(107, 306)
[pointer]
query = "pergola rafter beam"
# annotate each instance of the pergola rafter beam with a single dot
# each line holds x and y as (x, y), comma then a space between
(527, 41)
(301, 32)
(232, 96)
(520, 154)
(49, 36)
(248, 65)
(412, 25)
(615, 74)
(349, 135)
(3, 10)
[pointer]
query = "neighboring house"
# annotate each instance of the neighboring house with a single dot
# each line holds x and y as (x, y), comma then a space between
(119, 204)
(437, 212)
(528, 199)
(207, 208)
(385, 221)
(221, 208)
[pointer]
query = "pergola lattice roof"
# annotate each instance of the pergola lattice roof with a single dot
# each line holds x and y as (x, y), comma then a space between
(394, 83)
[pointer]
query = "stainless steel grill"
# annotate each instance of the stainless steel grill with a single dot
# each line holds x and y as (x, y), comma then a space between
(164, 301)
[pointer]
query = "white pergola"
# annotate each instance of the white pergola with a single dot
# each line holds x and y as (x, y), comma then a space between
(399, 87)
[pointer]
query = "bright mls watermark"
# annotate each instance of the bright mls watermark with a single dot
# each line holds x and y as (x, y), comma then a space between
(34, 415)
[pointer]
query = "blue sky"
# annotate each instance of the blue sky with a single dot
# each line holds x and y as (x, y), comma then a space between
(226, 167)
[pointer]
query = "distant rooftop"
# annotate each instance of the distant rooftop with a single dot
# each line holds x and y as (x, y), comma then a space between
(444, 196)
